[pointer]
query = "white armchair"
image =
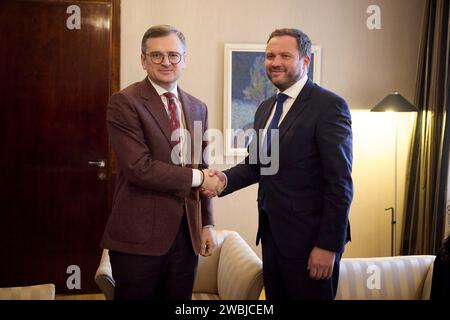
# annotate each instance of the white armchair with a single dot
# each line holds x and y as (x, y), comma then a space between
(233, 272)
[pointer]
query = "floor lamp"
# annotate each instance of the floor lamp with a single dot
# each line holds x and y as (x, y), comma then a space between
(394, 102)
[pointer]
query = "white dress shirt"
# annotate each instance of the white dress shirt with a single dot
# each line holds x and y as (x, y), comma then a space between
(196, 174)
(292, 92)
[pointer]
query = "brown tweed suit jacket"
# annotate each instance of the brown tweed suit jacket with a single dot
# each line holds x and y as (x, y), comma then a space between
(152, 193)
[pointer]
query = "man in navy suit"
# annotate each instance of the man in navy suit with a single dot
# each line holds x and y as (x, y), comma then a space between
(304, 206)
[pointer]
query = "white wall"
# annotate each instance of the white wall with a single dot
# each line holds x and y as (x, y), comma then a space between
(374, 179)
(358, 64)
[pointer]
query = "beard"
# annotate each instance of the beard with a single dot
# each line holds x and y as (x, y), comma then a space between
(282, 78)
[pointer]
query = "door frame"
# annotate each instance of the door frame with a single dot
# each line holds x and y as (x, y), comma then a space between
(114, 87)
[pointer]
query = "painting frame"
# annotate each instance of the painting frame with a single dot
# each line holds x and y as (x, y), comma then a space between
(242, 61)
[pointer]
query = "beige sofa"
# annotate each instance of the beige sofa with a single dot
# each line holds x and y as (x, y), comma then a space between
(233, 272)
(386, 278)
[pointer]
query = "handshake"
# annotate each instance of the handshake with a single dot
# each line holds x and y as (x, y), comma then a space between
(214, 181)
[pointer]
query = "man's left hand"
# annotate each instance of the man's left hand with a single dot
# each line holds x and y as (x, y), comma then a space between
(208, 238)
(320, 263)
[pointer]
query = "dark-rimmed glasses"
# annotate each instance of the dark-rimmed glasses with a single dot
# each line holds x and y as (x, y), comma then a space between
(158, 57)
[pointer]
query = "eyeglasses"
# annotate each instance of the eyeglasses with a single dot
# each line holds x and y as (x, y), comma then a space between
(158, 57)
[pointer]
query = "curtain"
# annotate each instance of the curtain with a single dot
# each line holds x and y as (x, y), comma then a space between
(425, 198)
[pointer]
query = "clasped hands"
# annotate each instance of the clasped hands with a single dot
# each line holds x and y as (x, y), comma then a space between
(213, 183)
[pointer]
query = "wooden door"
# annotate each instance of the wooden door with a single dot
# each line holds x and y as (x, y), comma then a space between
(57, 74)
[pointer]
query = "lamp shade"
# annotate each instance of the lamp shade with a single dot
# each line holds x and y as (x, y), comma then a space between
(394, 102)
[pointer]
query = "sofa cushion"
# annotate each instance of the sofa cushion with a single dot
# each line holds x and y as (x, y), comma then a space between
(38, 292)
(204, 296)
(387, 278)
(240, 270)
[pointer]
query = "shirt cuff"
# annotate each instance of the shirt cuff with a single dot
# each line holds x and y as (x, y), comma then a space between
(196, 178)
(226, 181)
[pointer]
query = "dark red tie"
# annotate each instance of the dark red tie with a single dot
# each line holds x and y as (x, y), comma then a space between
(172, 106)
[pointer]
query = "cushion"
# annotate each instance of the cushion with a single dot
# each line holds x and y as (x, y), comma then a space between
(387, 278)
(204, 296)
(239, 271)
(38, 292)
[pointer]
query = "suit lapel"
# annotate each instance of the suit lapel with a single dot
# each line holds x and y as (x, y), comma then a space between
(188, 111)
(156, 107)
(265, 112)
(297, 108)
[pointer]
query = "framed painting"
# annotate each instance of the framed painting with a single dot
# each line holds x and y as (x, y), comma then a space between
(246, 85)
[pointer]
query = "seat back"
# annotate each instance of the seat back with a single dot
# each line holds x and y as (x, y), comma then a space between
(103, 276)
(239, 273)
(386, 278)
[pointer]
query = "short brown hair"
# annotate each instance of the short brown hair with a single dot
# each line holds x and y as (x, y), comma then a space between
(161, 30)
(303, 41)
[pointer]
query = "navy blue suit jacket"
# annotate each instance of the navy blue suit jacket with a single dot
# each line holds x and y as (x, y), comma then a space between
(308, 200)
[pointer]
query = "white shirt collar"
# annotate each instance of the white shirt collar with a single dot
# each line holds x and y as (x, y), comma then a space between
(294, 90)
(160, 90)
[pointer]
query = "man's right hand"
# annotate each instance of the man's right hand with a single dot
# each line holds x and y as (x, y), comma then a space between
(213, 183)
